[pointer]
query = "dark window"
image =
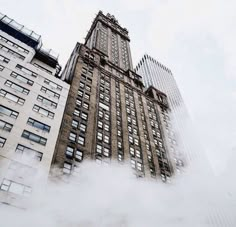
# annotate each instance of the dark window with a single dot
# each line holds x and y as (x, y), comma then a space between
(2, 141)
(5, 126)
(22, 78)
(33, 137)
(6, 111)
(38, 124)
(29, 152)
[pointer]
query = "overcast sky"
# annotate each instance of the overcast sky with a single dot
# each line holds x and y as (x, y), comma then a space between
(194, 38)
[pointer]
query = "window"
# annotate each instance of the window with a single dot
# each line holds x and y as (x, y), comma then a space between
(72, 137)
(8, 112)
(88, 88)
(106, 139)
(136, 141)
(106, 127)
(42, 68)
(12, 97)
(133, 163)
(46, 101)
(99, 149)
(17, 87)
(100, 124)
(19, 48)
(3, 59)
(79, 155)
(138, 154)
(80, 93)
(38, 124)
(26, 71)
(119, 144)
(119, 133)
(1, 67)
(5, 126)
(81, 84)
(99, 136)
(52, 84)
(76, 112)
(131, 150)
(139, 166)
(11, 52)
(85, 105)
(86, 96)
(78, 102)
(22, 78)
(84, 116)
(2, 141)
(33, 137)
(131, 139)
(67, 167)
(106, 152)
(82, 127)
(69, 151)
(81, 140)
(43, 111)
(14, 187)
(50, 92)
(74, 124)
(29, 152)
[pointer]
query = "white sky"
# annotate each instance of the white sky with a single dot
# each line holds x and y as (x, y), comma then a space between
(194, 38)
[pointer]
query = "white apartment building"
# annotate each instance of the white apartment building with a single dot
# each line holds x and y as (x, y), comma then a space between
(32, 102)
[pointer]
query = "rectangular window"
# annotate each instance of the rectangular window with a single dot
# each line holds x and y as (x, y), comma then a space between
(67, 167)
(82, 127)
(72, 137)
(103, 106)
(21, 149)
(50, 92)
(80, 93)
(5, 126)
(22, 78)
(38, 124)
(14, 187)
(33, 137)
(88, 88)
(79, 155)
(74, 124)
(1, 67)
(52, 84)
(17, 87)
(42, 68)
(2, 141)
(76, 112)
(12, 97)
(8, 112)
(43, 111)
(46, 101)
(16, 46)
(11, 52)
(3, 59)
(81, 140)
(26, 71)
(85, 105)
(87, 96)
(81, 84)
(69, 152)
(84, 116)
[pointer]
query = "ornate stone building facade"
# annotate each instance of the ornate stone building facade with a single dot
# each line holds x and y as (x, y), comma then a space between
(108, 116)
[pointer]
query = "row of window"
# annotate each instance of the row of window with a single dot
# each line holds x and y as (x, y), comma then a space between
(16, 46)
(103, 124)
(11, 52)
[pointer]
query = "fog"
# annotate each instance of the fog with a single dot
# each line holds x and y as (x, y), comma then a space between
(113, 196)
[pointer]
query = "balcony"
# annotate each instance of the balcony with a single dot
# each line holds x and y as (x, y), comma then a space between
(20, 32)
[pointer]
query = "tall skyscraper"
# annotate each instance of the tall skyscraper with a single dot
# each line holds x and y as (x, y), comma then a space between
(32, 101)
(156, 74)
(108, 117)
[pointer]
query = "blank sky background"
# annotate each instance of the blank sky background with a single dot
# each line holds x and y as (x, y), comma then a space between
(195, 39)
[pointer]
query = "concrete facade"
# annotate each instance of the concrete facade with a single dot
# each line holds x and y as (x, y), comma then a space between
(32, 101)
